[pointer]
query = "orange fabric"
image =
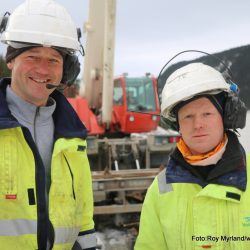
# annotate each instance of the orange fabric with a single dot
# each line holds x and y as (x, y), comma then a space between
(186, 153)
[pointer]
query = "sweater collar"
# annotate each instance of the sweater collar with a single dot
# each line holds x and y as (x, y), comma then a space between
(26, 112)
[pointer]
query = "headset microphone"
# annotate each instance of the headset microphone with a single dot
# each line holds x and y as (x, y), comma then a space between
(61, 86)
(51, 86)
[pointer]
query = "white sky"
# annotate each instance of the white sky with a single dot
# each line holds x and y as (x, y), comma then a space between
(150, 32)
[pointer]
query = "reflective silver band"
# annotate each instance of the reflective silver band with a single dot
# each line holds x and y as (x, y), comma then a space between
(20, 227)
(17, 227)
(66, 235)
(162, 184)
(87, 241)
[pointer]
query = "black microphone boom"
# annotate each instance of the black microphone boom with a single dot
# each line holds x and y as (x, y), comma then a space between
(52, 86)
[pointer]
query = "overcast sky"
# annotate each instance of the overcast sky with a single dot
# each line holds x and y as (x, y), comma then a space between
(149, 32)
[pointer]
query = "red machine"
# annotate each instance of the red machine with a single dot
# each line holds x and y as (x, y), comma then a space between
(135, 108)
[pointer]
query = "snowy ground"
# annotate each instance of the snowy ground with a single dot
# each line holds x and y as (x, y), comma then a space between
(112, 239)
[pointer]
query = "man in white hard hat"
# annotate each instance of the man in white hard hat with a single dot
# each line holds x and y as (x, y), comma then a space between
(46, 188)
(201, 199)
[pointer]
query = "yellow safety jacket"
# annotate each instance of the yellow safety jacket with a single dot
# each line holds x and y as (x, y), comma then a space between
(25, 221)
(187, 216)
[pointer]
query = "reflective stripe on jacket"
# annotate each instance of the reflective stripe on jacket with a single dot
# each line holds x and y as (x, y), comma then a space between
(185, 216)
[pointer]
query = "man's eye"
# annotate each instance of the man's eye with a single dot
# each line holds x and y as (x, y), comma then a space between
(32, 57)
(54, 61)
(188, 117)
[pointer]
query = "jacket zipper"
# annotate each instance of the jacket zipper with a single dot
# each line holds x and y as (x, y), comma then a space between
(42, 208)
(34, 123)
(72, 177)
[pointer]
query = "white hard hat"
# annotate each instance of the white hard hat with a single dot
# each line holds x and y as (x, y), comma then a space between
(189, 81)
(41, 22)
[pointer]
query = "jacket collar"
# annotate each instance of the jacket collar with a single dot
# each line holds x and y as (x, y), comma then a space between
(67, 122)
(6, 119)
(229, 171)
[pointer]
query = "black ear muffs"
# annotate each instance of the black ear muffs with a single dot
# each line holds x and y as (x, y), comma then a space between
(71, 69)
(235, 113)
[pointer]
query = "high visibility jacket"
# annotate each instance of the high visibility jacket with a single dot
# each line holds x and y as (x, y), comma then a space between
(185, 216)
(26, 221)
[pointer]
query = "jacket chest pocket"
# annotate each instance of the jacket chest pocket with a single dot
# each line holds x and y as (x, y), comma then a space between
(75, 162)
(66, 190)
(72, 177)
(67, 174)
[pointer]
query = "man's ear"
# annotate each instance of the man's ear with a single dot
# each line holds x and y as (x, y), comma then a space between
(10, 65)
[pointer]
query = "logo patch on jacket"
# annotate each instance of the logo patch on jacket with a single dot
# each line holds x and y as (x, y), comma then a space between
(10, 196)
(246, 221)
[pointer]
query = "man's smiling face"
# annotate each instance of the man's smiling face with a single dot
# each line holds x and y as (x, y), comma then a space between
(32, 70)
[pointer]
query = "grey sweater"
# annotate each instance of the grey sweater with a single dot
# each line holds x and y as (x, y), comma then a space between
(40, 123)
